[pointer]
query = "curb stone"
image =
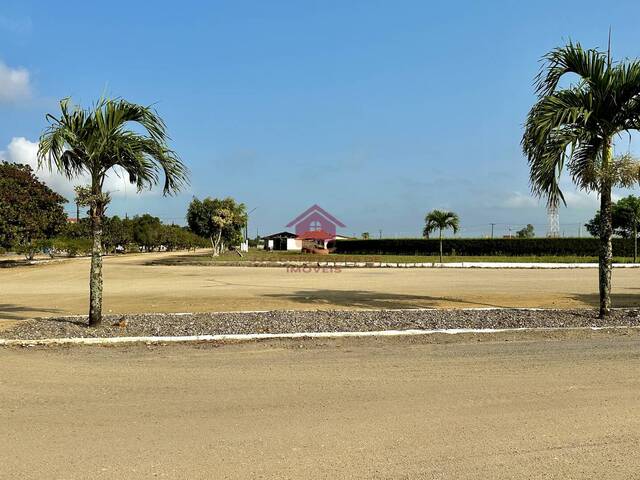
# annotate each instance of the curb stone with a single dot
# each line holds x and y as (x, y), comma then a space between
(276, 336)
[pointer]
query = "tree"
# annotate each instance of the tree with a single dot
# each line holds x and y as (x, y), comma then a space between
(117, 231)
(366, 236)
(628, 210)
(81, 197)
(625, 220)
(147, 231)
(221, 221)
(439, 220)
(29, 210)
(526, 232)
(175, 237)
(98, 142)
(575, 126)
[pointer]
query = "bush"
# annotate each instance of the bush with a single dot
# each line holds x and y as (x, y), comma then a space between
(31, 249)
(72, 246)
(587, 247)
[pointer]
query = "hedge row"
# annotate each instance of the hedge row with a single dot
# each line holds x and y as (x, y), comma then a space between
(587, 247)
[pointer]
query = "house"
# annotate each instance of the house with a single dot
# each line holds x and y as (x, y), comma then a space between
(282, 241)
(314, 228)
(315, 219)
(316, 239)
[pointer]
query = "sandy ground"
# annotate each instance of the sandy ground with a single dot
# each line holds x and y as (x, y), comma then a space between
(383, 409)
(135, 284)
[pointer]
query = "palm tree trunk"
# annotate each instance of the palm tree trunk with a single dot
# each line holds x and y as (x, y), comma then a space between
(606, 232)
(440, 245)
(95, 279)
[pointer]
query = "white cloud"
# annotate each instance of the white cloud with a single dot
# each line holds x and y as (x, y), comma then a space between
(14, 84)
(581, 199)
(22, 150)
(576, 199)
(520, 200)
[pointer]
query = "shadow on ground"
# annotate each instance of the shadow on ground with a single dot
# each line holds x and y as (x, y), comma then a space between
(617, 299)
(177, 260)
(367, 299)
(19, 312)
(16, 263)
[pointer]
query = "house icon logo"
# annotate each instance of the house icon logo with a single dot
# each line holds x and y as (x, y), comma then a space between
(315, 223)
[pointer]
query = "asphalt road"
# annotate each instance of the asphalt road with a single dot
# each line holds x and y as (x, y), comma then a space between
(137, 283)
(384, 409)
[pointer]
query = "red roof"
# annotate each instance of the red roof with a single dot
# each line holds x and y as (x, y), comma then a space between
(317, 235)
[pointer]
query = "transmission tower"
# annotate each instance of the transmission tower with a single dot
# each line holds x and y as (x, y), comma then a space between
(553, 228)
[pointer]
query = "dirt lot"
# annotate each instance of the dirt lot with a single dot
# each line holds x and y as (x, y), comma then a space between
(381, 409)
(138, 284)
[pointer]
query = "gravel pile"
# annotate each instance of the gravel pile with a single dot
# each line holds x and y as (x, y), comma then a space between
(312, 321)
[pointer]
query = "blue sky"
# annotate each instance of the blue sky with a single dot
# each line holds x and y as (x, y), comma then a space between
(377, 111)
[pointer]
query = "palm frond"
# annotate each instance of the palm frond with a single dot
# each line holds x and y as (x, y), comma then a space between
(590, 65)
(625, 171)
(584, 163)
(441, 220)
(97, 141)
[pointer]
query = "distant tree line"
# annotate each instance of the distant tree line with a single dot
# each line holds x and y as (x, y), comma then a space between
(142, 232)
(32, 220)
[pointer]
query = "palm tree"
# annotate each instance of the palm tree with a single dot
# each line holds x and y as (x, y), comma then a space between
(575, 125)
(98, 142)
(439, 220)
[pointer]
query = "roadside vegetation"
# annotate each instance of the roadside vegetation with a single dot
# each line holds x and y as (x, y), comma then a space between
(625, 220)
(99, 141)
(30, 212)
(573, 126)
(221, 221)
(440, 221)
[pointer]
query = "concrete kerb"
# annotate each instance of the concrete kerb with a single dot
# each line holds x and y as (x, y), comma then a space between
(281, 336)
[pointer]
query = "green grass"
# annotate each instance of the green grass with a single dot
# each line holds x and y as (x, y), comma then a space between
(260, 256)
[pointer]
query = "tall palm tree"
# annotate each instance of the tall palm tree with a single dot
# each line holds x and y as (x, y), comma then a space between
(576, 125)
(99, 141)
(439, 220)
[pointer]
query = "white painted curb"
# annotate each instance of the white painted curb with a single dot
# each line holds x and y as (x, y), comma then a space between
(276, 336)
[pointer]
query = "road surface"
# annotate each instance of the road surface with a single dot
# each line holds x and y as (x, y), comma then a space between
(362, 409)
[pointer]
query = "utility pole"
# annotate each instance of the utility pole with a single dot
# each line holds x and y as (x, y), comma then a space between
(246, 225)
(492, 225)
(380, 232)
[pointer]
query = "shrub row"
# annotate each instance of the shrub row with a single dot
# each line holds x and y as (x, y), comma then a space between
(587, 247)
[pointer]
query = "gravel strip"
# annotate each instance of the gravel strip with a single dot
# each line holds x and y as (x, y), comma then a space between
(312, 321)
